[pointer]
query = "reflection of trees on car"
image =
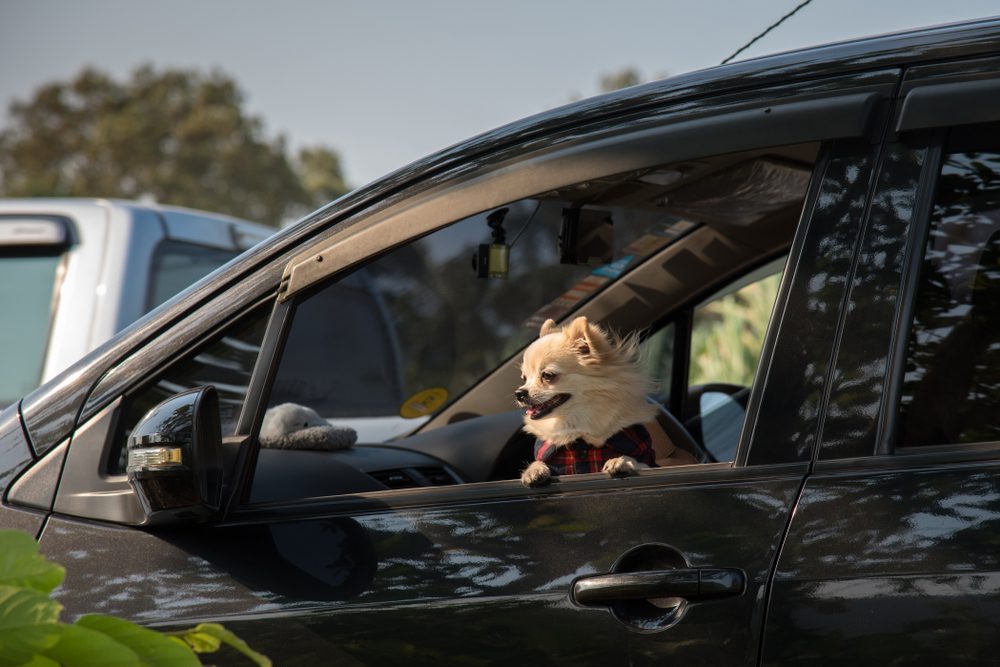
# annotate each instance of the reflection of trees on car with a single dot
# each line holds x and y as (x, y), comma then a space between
(952, 382)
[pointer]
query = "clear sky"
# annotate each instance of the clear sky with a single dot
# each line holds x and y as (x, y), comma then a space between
(387, 82)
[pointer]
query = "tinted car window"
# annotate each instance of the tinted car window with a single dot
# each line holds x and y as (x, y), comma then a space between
(857, 380)
(797, 374)
(951, 387)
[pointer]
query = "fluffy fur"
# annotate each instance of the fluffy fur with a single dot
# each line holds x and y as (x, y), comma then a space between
(582, 382)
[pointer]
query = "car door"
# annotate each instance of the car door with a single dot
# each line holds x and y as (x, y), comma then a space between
(892, 550)
(319, 559)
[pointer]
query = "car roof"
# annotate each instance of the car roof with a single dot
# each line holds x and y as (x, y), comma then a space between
(956, 40)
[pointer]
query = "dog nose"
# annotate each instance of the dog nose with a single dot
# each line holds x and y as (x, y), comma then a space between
(521, 395)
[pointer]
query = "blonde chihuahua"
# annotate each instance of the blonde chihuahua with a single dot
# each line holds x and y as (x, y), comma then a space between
(585, 400)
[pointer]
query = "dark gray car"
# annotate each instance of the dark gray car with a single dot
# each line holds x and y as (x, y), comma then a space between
(809, 245)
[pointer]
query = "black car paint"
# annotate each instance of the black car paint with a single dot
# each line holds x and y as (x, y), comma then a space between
(893, 558)
(790, 405)
(857, 393)
(909, 575)
(451, 567)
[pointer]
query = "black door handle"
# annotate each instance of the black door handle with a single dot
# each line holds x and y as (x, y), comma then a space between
(691, 584)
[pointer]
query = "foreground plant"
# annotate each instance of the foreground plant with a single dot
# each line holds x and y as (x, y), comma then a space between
(32, 635)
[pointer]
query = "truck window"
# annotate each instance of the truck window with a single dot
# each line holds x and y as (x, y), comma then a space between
(177, 265)
(31, 254)
(27, 289)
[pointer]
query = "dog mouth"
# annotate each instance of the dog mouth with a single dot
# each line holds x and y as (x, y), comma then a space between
(539, 410)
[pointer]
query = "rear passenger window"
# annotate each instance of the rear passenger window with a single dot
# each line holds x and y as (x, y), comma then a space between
(951, 387)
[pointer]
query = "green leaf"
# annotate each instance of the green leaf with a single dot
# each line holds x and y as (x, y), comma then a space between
(40, 661)
(152, 647)
(28, 624)
(201, 642)
(82, 647)
(22, 565)
(213, 634)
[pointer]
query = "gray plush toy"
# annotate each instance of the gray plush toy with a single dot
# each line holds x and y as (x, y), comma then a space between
(292, 426)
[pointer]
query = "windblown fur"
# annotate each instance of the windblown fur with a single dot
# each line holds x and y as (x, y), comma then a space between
(599, 372)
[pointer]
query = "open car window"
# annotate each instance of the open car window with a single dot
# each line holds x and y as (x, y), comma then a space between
(378, 351)
(385, 347)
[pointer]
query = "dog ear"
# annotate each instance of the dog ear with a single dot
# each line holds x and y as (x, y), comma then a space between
(588, 341)
(548, 326)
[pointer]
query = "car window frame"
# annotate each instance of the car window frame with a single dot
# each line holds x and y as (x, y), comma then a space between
(537, 172)
(924, 113)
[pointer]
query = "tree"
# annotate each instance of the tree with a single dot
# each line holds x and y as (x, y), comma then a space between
(177, 136)
(320, 174)
(623, 78)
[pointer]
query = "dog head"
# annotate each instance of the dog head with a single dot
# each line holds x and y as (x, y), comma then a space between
(579, 381)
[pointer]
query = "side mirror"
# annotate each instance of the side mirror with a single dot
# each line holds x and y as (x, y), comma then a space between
(175, 457)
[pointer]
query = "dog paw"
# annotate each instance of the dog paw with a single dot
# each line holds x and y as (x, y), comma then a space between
(536, 474)
(623, 466)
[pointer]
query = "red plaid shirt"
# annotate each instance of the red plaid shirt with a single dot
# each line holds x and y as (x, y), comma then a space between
(580, 456)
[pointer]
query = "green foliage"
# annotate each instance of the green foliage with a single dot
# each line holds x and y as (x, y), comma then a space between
(177, 136)
(209, 638)
(31, 634)
(729, 332)
(623, 78)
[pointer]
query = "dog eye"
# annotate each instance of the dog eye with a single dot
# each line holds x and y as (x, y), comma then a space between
(549, 376)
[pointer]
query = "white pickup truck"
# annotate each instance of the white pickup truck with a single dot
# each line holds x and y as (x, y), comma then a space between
(73, 272)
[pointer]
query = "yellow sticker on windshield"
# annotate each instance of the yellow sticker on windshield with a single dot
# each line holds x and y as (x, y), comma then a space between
(423, 403)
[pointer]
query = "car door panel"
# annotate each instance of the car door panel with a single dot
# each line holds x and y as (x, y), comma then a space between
(911, 574)
(491, 569)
